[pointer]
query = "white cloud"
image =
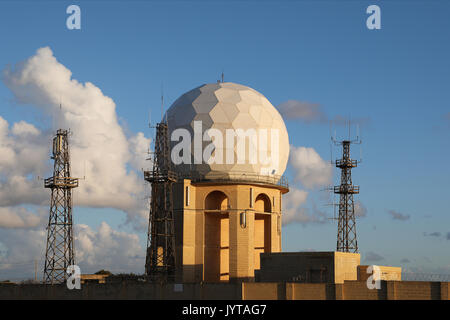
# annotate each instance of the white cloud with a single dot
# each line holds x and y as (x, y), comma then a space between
(304, 111)
(23, 128)
(104, 248)
(398, 215)
(292, 203)
(100, 151)
(24, 157)
(294, 210)
(308, 112)
(373, 257)
(19, 248)
(19, 217)
(108, 249)
(360, 209)
(310, 169)
(139, 146)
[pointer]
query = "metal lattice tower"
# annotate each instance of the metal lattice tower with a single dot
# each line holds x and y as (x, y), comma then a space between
(60, 252)
(160, 259)
(346, 235)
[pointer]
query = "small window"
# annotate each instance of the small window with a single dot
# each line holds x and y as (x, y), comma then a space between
(187, 195)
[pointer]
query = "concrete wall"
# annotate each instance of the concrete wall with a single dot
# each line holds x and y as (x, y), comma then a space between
(345, 266)
(357, 290)
(310, 291)
(445, 290)
(124, 290)
(349, 290)
(263, 291)
(386, 273)
(309, 267)
(303, 266)
(417, 290)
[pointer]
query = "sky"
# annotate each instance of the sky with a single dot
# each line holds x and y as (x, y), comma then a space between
(316, 62)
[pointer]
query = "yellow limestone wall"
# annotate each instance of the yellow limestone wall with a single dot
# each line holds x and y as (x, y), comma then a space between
(212, 245)
(345, 266)
(350, 290)
(263, 291)
(386, 273)
(309, 291)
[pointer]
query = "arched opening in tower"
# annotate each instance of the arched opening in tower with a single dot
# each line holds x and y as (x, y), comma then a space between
(262, 203)
(216, 200)
(262, 228)
(217, 248)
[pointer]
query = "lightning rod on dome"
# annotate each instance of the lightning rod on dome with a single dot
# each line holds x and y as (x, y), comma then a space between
(221, 78)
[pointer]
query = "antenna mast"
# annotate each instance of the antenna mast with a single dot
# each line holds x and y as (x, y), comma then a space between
(160, 259)
(346, 234)
(60, 253)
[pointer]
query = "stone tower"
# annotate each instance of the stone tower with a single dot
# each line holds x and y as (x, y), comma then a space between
(229, 148)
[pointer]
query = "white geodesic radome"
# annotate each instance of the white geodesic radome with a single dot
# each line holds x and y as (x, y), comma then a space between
(232, 106)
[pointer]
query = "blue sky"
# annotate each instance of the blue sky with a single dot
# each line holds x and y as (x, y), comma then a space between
(321, 52)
